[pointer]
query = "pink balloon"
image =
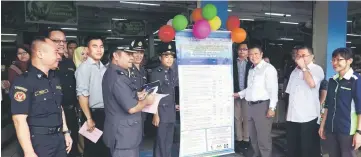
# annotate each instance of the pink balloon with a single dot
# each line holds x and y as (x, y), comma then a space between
(201, 29)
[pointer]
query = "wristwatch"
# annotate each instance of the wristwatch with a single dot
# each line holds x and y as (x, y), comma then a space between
(272, 108)
(67, 132)
(358, 131)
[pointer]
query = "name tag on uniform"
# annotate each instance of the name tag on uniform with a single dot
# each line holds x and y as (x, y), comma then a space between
(21, 88)
(345, 88)
(41, 92)
(58, 87)
(71, 69)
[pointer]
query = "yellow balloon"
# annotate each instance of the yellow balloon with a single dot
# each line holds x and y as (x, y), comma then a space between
(215, 23)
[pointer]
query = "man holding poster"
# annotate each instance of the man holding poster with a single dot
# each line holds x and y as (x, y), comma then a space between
(166, 116)
(262, 97)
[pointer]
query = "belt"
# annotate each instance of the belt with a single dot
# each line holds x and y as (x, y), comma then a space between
(45, 130)
(97, 109)
(257, 102)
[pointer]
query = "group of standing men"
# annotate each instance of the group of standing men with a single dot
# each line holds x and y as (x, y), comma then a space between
(256, 97)
(44, 99)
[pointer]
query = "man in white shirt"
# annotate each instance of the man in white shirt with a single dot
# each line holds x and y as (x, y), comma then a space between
(262, 96)
(304, 106)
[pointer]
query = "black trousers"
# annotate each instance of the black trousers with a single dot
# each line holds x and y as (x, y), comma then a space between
(52, 145)
(303, 139)
(72, 122)
(96, 149)
(340, 145)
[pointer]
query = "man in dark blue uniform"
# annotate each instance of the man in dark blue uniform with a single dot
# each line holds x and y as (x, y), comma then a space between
(166, 117)
(138, 73)
(65, 72)
(123, 106)
(36, 105)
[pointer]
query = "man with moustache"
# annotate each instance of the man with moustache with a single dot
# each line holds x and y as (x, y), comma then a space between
(341, 125)
(304, 106)
(123, 106)
(241, 68)
(36, 105)
(89, 91)
(165, 118)
(66, 74)
(262, 96)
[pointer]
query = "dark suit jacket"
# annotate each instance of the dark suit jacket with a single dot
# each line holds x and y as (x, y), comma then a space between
(235, 75)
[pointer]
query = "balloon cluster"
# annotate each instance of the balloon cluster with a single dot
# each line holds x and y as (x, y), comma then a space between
(205, 20)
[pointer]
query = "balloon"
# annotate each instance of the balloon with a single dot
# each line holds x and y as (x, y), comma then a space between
(215, 23)
(238, 35)
(233, 22)
(201, 29)
(197, 14)
(209, 11)
(166, 33)
(179, 22)
(170, 22)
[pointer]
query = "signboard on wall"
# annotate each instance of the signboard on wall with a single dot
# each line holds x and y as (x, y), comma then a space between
(51, 12)
(128, 27)
(14, 20)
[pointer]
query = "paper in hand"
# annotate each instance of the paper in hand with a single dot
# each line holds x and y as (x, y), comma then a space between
(92, 136)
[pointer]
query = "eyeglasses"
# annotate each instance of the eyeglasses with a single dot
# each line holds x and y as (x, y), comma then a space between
(242, 49)
(59, 41)
(22, 53)
(303, 56)
(337, 60)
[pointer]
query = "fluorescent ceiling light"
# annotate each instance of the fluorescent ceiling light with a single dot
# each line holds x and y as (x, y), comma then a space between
(279, 44)
(348, 42)
(7, 41)
(247, 19)
(229, 10)
(113, 38)
(109, 30)
(70, 36)
(291, 23)
(117, 19)
(156, 32)
(353, 47)
(141, 3)
(9, 34)
(74, 29)
(285, 39)
(278, 14)
(354, 35)
(349, 21)
(159, 40)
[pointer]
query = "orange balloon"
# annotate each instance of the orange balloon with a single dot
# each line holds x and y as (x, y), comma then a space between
(197, 14)
(238, 35)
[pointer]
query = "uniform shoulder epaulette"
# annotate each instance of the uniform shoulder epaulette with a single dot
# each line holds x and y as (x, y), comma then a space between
(120, 72)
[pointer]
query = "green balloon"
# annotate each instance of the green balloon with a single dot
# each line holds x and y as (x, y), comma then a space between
(179, 22)
(209, 11)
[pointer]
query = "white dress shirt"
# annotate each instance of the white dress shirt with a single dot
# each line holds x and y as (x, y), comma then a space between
(304, 103)
(262, 84)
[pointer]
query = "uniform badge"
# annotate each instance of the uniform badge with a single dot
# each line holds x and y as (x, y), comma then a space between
(39, 75)
(58, 87)
(169, 46)
(140, 43)
(132, 44)
(71, 69)
(19, 96)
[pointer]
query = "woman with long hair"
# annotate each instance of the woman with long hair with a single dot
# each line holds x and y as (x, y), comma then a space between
(21, 63)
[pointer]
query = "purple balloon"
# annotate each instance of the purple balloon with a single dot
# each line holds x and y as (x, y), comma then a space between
(201, 29)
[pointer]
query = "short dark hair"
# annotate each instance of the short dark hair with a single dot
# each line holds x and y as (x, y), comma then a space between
(310, 49)
(35, 40)
(71, 42)
(256, 47)
(90, 38)
(239, 45)
(47, 34)
(343, 52)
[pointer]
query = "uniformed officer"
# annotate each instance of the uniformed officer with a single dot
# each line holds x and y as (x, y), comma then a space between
(137, 72)
(66, 74)
(36, 105)
(122, 104)
(166, 117)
